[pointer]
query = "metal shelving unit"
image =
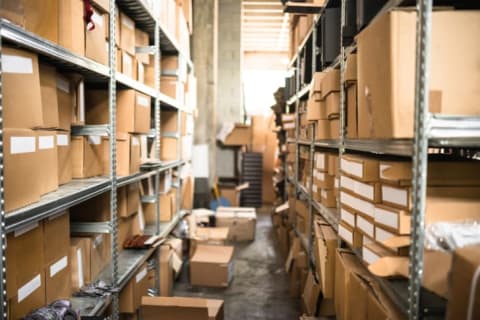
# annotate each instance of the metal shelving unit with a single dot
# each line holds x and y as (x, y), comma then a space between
(123, 265)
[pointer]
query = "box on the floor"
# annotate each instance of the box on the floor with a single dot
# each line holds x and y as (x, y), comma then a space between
(181, 308)
(241, 222)
(208, 236)
(212, 266)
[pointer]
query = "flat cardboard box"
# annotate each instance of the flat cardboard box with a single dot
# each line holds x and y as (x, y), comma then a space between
(332, 103)
(326, 247)
(370, 191)
(321, 161)
(66, 102)
(71, 26)
(331, 82)
(57, 280)
(41, 18)
(347, 216)
(166, 271)
(127, 34)
(392, 219)
(323, 130)
(56, 239)
(64, 156)
(80, 262)
(48, 87)
(30, 296)
(346, 263)
(212, 266)
(352, 112)
(180, 308)
(20, 70)
(241, 222)
(95, 45)
(25, 256)
(240, 135)
(461, 304)
(350, 235)
(361, 168)
(357, 205)
(366, 226)
(373, 251)
(130, 298)
(386, 86)
(86, 160)
(22, 184)
(47, 155)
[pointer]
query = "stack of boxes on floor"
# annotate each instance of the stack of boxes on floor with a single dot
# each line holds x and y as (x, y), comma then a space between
(323, 105)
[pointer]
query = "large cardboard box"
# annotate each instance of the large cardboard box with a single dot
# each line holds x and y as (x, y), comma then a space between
(240, 221)
(131, 295)
(41, 18)
(71, 34)
(30, 296)
(95, 45)
(64, 156)
(22, 184)
(100, 253)
(48, 87)
(463, 299)
(207, 236)
(25, 258)
(179, 308)
(127, 34)
(57, 280)
(168, 205)
(310, 295)
(86, 159)
(386, 87)
(133, 112)
(48, 158)
(212, 266)
(166, 271)
(80, 262)
(169, 149)
(20, 70)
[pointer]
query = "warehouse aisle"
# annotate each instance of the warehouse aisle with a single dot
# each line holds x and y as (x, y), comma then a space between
(259, 289)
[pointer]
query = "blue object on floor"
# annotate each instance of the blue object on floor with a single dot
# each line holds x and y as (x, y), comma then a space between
(220, 202)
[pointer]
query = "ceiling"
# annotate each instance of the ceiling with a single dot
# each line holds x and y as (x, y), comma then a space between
(264, 26)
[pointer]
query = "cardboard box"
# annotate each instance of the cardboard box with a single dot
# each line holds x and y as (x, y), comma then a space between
(386, 89)
(334, 123)
(328, 198)
(350, 235)
(100, 253)
(359, 167)
(20, 70)
(41, 18)
(211, 266)
(97, 209)
(208, 236)
(310, 295)
(86, 160)
(366, 208)
(322, 130)
(130, 298)
(332, 104)
(47, 155)
(169, 149)
(96, 48)
(133, 198)
(187, 193)
(22, 184)
(316, 110)
(25, 256)
(80, 262)
(326, 243)
(127, 34)
(323, 180)
(366, 226)
(241, 222)
(57, 280)
(64, 156)
(331, 82)
(394, 220)
(123, 154)
(48, 87)
(368, 191)
(231, 193)
(239, 136)
(128, 227)
(30, 296)
(461, 303)
(169, 121)
(129, 65)
(352, 112)
(65, 101)
(56, 239)
(141, 40)
(133, 112)
(181, 308)
(168, 206)
(373, 251)
(71, 34)
(350, 73)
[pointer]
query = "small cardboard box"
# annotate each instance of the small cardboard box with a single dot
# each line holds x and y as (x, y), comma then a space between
(127, 34)
(48, 157)
(330, 83)
(48, 87)
(80, 262)
(64, 155)
(133, 112)
(22, 184)
(21, 108)
(169, 149)
(395, 220)
(86, 160)
(180, 308)
(96, 48)
(350, 235)
(212, 266)
(168, 205)
(130, 298)
(71, 26)
(361, 168)
(240, 221)
(357, 205)
(368, 191)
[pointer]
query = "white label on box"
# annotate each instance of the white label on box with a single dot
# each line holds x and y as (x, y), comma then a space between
(127, 22)
(141, 275)
(63, 85)
(368, 256)
(353, 168)
(347, 183)
(46, 142)
(141, 221)
(320, 161)
(135, 141)
(58, 266)
(365, 226)
(345, 234)
(80, 268)
(143, 101)
(282, 207)
(98, 241)
(324, 194)
(382, 235)
(16, 64)
(29, 288)
(364, 207)
(315, 188)
(386, 217)
(321, 176)
(62, 140)
(347, 217)
(96, 140)
(20, 145)
(384, 167)
(24, 230)
(337, 183)
(127, 63)
(395, 195)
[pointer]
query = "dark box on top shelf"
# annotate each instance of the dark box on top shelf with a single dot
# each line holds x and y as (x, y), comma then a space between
(366, 10)
(330, 31)
(97, 209)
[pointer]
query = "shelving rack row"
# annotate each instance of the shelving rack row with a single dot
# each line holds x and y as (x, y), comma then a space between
(431, 131)
(126, 263)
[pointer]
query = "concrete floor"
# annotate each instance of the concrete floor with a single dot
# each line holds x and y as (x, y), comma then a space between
(259, 289)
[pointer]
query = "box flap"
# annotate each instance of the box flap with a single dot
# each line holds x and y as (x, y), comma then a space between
(214, 308)
(213, 254)
(211, 233)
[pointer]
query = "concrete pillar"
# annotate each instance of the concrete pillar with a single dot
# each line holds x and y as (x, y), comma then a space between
(205, 53)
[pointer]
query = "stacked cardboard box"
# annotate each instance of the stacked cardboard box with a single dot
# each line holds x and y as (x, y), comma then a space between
(181, 308)
(326, 177)
(240, 221)
(296, 266)
(288, 124)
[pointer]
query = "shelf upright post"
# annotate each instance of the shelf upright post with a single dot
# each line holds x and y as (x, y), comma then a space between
(3, 235)
(341, 143)
(157, 115)
(420, 156)
(112, 94)
(297, 129)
